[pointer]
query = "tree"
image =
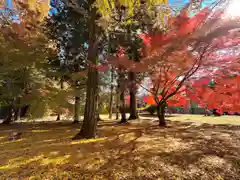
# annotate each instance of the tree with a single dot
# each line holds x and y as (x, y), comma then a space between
(24, 49)
(122, 21)
(88, 129)
(67, 28)
(175, 56)
(218, 91)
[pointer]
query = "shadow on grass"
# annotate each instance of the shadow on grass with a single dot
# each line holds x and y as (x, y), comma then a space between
(147, 115)
(131, 151)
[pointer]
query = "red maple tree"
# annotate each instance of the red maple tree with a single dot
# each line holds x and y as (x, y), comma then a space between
(191, 47)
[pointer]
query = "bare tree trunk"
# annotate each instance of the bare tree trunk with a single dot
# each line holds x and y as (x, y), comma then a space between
(17, 109)
(117, 105)
(98, 108)
(58, 117)
(122, 99)
(88, 129)
(111, 96)
(161, 114)
(61, 86)
(133, 100)
(9, 117)
(76, 109)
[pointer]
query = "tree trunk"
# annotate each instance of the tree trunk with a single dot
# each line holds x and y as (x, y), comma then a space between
(61, 86)
(58, 117)
(9, 117)
(122, 99)
(117, 101)
(88, 129)
(76, 109)
(98, 109)
(133, 101)
(18, 113)
(111, 96)
(161, 114)
(17, 109)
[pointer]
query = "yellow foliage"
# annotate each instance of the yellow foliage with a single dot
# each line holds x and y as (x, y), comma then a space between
(41, 7)
(106, 7)
(20, 163)
(55, 160)
(123, 155)
(85, 141)
(12, 141)
(37, 131)
(2, 137)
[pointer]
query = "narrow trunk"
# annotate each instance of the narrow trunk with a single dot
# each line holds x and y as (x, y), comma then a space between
(111, 96)
(88, 129)
(191, 107)
(9, 117)
(18, 113)
(58, 117)
(161, 114)
(17, 109)
(61, 86)
(122, 99)
(76, 109)
(98, 109)
(133, 101)
(117, 107)
(117, 103)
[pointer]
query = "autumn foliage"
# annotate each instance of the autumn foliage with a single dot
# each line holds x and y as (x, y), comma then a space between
(190, 49)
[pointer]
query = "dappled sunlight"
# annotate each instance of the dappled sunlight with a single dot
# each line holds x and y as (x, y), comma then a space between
(39, 131)
(2, 137)
(12, 141)
(142, 148)
(214, 161)
(18, 163)
(55, 160)
(86, 141)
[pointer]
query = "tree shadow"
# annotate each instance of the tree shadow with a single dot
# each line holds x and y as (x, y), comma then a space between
(148, 115)
(130, 151)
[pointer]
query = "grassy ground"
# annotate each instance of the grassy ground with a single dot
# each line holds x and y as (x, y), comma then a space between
(207, 149)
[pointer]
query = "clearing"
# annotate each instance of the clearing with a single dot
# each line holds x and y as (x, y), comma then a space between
(191, 147)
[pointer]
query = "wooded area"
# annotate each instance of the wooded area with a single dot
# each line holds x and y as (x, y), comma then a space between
(94, 70)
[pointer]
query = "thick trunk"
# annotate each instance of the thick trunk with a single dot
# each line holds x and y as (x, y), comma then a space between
(111, 96)
(161, 114)
(133, 101)
(76, 109)
(122, 99)
(88, 129)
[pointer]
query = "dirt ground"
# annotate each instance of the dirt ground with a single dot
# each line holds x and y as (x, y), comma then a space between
(190, 147)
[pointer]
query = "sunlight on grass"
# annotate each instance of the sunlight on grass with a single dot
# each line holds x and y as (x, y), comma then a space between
(95, 163)
(200, 119)
(55, 161)
(40, 131)
(49, 140)
(12, 141)
(2, 137)
(148, 150)
(17, 164)
(86, 141)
